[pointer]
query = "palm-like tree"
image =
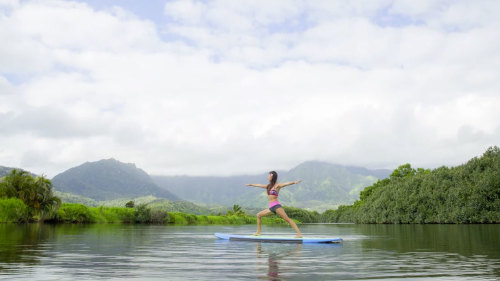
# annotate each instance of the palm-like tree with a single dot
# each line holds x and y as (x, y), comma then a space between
(36, 192)
(16, 184)
(237, 210)
(44, 200)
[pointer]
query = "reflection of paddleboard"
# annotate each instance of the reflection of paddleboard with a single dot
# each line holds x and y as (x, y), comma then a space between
(277, 239)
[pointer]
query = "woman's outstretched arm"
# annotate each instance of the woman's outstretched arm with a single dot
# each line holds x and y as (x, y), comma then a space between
(289, 183)
(256, 184)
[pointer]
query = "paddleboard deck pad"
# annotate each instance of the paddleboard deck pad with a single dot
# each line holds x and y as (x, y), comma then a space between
(277, 239)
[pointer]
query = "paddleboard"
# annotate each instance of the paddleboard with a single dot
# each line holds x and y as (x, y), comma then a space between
(277, 239)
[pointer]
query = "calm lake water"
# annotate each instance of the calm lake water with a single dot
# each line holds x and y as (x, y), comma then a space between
(158, 252)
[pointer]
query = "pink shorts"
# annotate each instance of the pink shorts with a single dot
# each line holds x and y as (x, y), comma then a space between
(272, 204)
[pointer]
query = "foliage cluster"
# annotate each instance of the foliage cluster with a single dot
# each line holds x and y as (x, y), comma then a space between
(302, 215)
(13, 210)
(183, 218)
(468, 193)
(78, 213)
(236, 211)
(34, 192)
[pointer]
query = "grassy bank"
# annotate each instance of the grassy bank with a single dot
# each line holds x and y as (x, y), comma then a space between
(13, 210)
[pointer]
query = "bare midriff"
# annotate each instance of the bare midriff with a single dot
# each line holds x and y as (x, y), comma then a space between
(273, 201)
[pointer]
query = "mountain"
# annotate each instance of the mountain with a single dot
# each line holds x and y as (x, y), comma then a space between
(109, 179)
(6, 170)
(324, 186)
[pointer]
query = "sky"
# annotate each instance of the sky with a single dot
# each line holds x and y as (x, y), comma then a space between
(243, 87)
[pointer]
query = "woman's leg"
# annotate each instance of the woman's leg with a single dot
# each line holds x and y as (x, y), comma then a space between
(281, 212)
(261, 214)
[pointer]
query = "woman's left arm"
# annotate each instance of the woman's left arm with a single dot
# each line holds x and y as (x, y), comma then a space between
(289, 183)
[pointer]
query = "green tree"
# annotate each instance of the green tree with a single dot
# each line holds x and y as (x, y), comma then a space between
(142, 214)
(43, 202)
(236, 211)
(129, 204)
(403, 171)
(35, 192)
(15, 184)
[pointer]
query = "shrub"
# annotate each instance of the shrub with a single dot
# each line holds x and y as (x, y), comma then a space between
(301, 214)
(142, 214)
(74, 213)
(217, 220)
(112, 214)
(158, 216)
(13, 210)
(125, 215)
(176, 218)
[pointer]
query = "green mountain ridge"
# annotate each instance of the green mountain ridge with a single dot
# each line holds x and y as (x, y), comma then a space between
(6, 170)
(107, 180)
(324, 186)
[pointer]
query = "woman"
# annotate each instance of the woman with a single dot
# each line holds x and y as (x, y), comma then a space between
(273, 189)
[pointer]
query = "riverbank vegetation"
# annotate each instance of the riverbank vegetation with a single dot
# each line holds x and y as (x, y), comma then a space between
(79, 213)
(469, 193)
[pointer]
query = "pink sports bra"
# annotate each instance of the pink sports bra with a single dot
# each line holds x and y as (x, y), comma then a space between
(272, 192)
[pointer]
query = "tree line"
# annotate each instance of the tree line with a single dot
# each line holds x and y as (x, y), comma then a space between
(469, 193)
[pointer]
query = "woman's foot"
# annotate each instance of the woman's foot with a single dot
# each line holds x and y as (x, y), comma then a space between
(256, 234)
(298, 236)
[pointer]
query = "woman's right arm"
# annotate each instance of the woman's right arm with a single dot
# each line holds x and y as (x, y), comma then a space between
(256, 185)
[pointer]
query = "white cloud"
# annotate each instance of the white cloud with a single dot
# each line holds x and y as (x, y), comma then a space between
(244, 87)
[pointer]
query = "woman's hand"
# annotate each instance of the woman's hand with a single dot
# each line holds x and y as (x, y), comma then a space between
(296, 182)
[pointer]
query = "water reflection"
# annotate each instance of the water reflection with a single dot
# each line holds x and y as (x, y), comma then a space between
(466, 240)
(425, 250)
(274, 258)
(22, 243)
(83, 250)
(382, 252)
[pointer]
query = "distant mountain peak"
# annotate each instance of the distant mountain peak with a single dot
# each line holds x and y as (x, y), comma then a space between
(109, 179)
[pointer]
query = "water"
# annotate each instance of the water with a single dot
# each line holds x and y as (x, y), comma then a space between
(158, 252)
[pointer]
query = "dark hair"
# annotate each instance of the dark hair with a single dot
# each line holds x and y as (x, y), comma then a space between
(273, 180)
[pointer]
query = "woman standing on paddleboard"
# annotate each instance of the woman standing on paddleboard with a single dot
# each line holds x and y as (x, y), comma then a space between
(273, 189)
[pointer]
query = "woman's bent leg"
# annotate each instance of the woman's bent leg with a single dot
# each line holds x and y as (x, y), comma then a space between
(281, 212)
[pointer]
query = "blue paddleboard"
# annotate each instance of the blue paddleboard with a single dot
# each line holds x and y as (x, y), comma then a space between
(277, 239)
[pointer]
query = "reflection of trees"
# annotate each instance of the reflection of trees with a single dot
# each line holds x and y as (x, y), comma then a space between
(21, 243)
(465, 240)
(103, 246)
(274, 258)
(100, 245)
(462, 248)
